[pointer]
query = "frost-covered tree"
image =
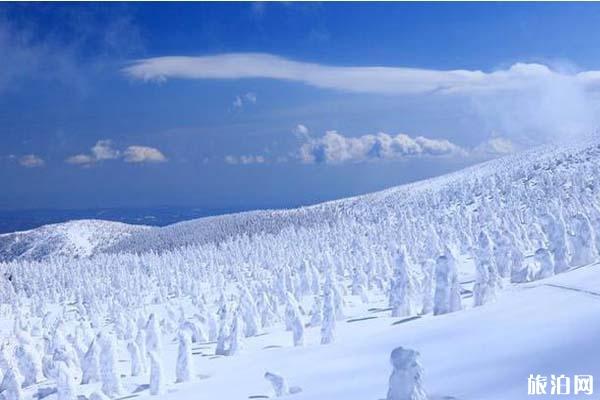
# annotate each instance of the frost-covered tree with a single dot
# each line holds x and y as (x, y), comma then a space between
(185, 364)
(428, 267)
(235, 338)
(153, 335)
(30, 364)
(406, 380)
(329, 320)
(487, 278)
(140, 341)
(65, 383)
(156, 375)
(583, 241)
(249, 312)
(11, 385)
(109, 374)
(447, 287)
(90, 366)
(557, 241)
(402, 291)
(222, 339)
(137, 366)
(545, 263)
(316, 313)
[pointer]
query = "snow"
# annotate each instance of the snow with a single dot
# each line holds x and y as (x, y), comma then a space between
(81, 238)
(218, 308)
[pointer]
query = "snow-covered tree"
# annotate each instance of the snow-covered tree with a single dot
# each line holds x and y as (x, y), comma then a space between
(109, 374)
(137, 366)
(11, 385)
(30, 364)
(185, 363)
(447, 287)
(90, 366)
(316, 313)
(156, 375)
(487, 278)
(65, 383)
(406, 380)
(153, 335)
(402, 291)
(545, 263)
(329, 320)
(583, 241)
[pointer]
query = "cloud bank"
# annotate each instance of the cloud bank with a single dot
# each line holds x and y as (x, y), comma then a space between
(335, 148)
(371, 79)
(31, 161)
(104, 150)
(245, 159)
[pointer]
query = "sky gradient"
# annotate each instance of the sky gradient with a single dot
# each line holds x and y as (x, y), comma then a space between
(253, 105)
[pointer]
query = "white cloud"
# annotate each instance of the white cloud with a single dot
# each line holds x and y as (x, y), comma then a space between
(141, 154)
(250, 97)
(335, 148)
(496, 146)
(372, 79)
(245, 159)
(237, 102)
(104, 150)
(241, 100)
(31, 161)
(80, 159)
(301, 131)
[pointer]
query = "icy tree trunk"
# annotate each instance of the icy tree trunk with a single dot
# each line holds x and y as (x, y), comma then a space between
(153, 335)
(11, 383)
(279, 384)
(329, 321)
(401, 291)
(90, 366)
(111, 380)
(30, 364)
(235, 338)
(557, 241)
(583, 245)
(428, 266)
(156, 375)
(447, 288)
(222, 340)
(185, 368)
(545, 263)
(316, 314)
(249, 313)
(406, 380)
(298, 331)
(65, 385)
(137, 367)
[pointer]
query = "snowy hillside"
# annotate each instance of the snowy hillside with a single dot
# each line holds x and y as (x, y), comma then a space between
(490, 274)
(72, 239)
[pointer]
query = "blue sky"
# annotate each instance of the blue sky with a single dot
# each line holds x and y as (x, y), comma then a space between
(250, 105)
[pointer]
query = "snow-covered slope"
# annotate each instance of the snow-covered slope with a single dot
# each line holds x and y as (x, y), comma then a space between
(485, 353)
(75, 239)
(516, 174)
(490, 273)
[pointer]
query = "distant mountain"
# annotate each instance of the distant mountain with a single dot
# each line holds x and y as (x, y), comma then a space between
(81, 238)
